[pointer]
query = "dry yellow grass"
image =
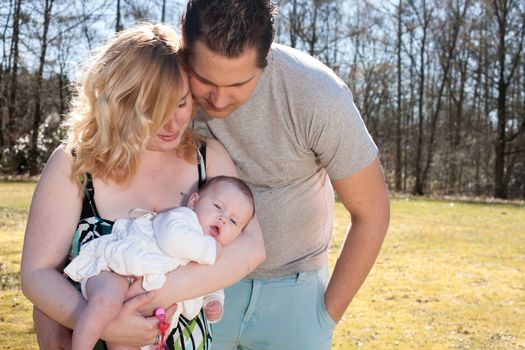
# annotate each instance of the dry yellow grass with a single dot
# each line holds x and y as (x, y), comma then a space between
(16, 328)
(450, 276)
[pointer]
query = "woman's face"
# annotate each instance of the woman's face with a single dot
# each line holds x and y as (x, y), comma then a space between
(168, 138)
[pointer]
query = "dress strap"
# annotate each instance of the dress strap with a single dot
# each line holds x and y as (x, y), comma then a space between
(201, 153)
(89, 208)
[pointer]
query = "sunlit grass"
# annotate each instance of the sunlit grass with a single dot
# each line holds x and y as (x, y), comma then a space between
(16, 324)
(450, 275)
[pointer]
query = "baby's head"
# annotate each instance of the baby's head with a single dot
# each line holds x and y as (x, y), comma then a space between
(224, 206)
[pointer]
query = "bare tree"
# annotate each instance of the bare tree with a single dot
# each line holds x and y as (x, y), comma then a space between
(510, 17)
(399, 110)
(4, 75)
(313, 26)
(457, 95)
(118, 24)
(9, 80)
(163, 12)
(423, 16)
(13, 76)
(447, 47)
(37, 109)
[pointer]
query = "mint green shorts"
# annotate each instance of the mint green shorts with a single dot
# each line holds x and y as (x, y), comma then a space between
(276, 314)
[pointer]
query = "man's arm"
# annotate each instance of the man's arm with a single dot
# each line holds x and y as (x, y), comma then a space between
(365, 196)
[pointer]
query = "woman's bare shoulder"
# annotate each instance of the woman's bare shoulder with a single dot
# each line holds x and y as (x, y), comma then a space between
(59, 164)
(61, 155)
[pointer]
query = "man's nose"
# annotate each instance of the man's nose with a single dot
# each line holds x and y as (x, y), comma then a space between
(219, 98)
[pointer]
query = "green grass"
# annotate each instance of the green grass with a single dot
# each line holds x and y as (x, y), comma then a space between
(451, 275)
(16, 327)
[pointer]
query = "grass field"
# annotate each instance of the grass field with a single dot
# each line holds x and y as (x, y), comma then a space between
(451, 275)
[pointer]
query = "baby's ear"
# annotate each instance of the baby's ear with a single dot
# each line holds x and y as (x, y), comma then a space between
(193, 199)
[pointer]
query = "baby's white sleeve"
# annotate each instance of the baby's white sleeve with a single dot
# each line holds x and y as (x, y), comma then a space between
(179, 235)
(216, 296)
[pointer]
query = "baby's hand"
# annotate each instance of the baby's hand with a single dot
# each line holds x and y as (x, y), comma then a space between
(213, 311)
(218, 252)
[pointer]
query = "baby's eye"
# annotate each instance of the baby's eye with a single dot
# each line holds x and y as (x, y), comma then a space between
(233, 221)
(217, 206)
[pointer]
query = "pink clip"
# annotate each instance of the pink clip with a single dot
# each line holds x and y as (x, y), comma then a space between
(163, 326)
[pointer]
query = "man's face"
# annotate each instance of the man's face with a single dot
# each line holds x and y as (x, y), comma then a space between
(220, 84)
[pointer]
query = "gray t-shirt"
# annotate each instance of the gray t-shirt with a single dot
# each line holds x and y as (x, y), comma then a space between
(299, 125)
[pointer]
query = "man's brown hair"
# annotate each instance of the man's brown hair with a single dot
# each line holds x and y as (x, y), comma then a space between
(228, 27)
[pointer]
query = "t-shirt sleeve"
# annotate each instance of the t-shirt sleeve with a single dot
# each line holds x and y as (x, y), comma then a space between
(338, 136)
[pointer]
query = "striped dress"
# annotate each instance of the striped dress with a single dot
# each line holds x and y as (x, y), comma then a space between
(189, 334)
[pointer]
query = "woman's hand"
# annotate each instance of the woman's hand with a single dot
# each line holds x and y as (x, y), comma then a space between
(135, 288)
(49, 333)
(148, 308)
(130, 327)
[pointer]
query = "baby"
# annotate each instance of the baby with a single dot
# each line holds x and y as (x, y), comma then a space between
(154, 244)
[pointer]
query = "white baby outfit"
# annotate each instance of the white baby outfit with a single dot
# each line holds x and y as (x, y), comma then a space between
(150, 246)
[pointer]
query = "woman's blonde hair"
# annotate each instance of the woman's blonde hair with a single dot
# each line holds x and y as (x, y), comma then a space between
(130, 87)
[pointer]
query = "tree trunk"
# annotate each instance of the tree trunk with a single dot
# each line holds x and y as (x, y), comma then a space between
(418, 188)
(457, 127)
(450, 44)
(502, 9)
(13, 56)
(34, 167)
(397, 166)
(118, 23)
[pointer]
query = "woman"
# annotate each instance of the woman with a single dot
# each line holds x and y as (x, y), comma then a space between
(128, 148)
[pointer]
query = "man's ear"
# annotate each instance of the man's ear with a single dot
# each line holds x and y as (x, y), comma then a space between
(193, 199)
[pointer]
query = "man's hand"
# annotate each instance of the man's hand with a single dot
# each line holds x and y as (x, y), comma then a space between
(49, 333)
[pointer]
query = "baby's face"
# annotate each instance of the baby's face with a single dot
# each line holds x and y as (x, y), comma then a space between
(223, 212)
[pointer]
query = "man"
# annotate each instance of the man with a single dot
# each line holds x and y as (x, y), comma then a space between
(289, 123)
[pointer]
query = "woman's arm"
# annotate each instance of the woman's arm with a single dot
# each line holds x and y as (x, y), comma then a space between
(248, 252)
(50, 333)
(53, 217)
(239, 258)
